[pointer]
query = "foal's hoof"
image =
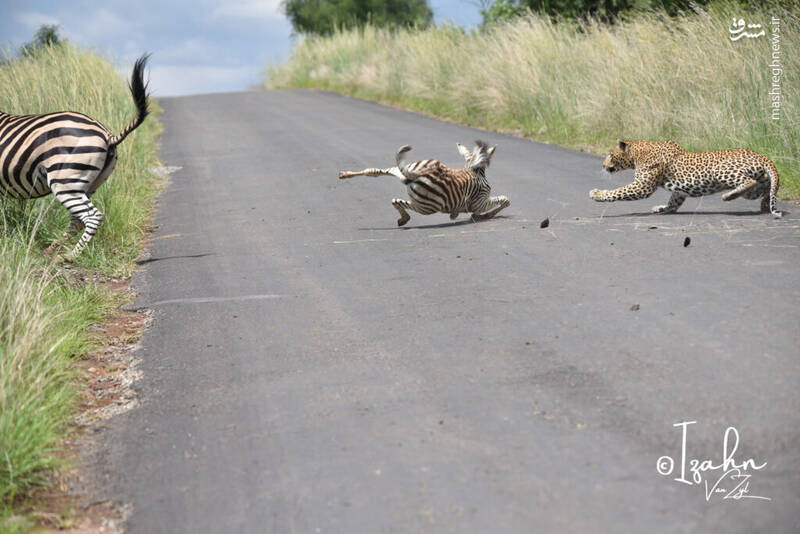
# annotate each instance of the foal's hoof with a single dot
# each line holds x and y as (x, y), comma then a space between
(402, 221)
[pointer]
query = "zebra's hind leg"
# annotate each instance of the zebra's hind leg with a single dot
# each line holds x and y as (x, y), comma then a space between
(81, 209)
(91, 222)
(401, 206)
(494, 206)
(75, 226)
(372, 171)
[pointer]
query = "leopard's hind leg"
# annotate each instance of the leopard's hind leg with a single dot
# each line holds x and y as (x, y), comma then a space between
(675, 202)
(772, 196)
(760, 192)
(742, 188)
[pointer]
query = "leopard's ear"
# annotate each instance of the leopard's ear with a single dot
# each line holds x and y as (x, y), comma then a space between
(622, 145)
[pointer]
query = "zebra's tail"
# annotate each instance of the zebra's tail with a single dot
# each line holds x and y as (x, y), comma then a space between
(139, 92)
(410, 176)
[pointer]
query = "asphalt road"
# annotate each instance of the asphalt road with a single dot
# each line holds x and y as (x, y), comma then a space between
(314, 368)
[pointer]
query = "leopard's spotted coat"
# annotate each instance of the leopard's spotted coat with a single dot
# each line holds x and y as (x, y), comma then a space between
(667, 164)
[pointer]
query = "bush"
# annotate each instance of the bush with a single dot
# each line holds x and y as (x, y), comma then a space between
(323, 17)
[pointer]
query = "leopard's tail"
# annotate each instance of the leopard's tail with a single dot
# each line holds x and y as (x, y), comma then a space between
(774, 184)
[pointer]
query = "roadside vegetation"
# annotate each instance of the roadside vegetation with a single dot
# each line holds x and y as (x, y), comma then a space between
(45, 309)
(582, 84)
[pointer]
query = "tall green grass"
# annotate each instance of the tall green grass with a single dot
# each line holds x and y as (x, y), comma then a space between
(66, 78)
(646, 77)
(44, 313)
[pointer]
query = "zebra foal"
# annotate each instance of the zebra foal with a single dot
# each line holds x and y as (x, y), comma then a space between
(435, 188)
(68, 154)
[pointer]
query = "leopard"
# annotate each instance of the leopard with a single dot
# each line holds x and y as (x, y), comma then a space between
(746, 173)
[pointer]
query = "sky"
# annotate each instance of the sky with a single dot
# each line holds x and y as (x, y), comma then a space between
(199, 46)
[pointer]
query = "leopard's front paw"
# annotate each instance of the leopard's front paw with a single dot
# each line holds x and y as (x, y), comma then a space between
(664, 209)
(597, 194)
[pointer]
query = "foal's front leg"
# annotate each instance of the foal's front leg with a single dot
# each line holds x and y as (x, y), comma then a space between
(495, 205)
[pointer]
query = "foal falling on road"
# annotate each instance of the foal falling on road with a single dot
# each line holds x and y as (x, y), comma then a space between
(435, 188)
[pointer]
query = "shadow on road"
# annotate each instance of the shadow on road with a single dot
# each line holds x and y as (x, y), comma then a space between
(440, 225)
(153, 260)
(730, 213)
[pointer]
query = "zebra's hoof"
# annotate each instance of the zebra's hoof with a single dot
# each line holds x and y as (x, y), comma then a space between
(402, 221)
(51, 250)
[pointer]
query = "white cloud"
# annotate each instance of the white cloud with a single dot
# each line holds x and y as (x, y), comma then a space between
(175, 80)
(32, 20)
(198, 47)
(191, 51)
(249, 9)
(96, 28)
(102, 23)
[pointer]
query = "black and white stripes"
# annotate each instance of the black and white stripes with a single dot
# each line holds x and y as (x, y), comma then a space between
(434, 187)
(66, 153)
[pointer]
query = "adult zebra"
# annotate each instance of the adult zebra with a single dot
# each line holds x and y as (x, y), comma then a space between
(433, 187)
(68, 154)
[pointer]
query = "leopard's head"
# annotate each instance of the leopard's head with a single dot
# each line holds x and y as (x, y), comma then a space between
(619, 159)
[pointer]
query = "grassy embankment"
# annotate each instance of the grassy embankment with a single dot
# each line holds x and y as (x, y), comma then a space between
(648, 77)
(45, 317)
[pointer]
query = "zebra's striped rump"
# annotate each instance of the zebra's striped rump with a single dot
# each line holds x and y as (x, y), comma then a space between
(433, 187)
(66, 153)
(42, 149)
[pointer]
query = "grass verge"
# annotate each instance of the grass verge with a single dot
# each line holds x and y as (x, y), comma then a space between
(46, 311)
(583, 87)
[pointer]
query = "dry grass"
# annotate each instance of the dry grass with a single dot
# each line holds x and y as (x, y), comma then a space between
(44, 313)
(66, 78)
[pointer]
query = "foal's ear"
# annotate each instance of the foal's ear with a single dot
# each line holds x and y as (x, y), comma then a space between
(491, 150)
(464, 151)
